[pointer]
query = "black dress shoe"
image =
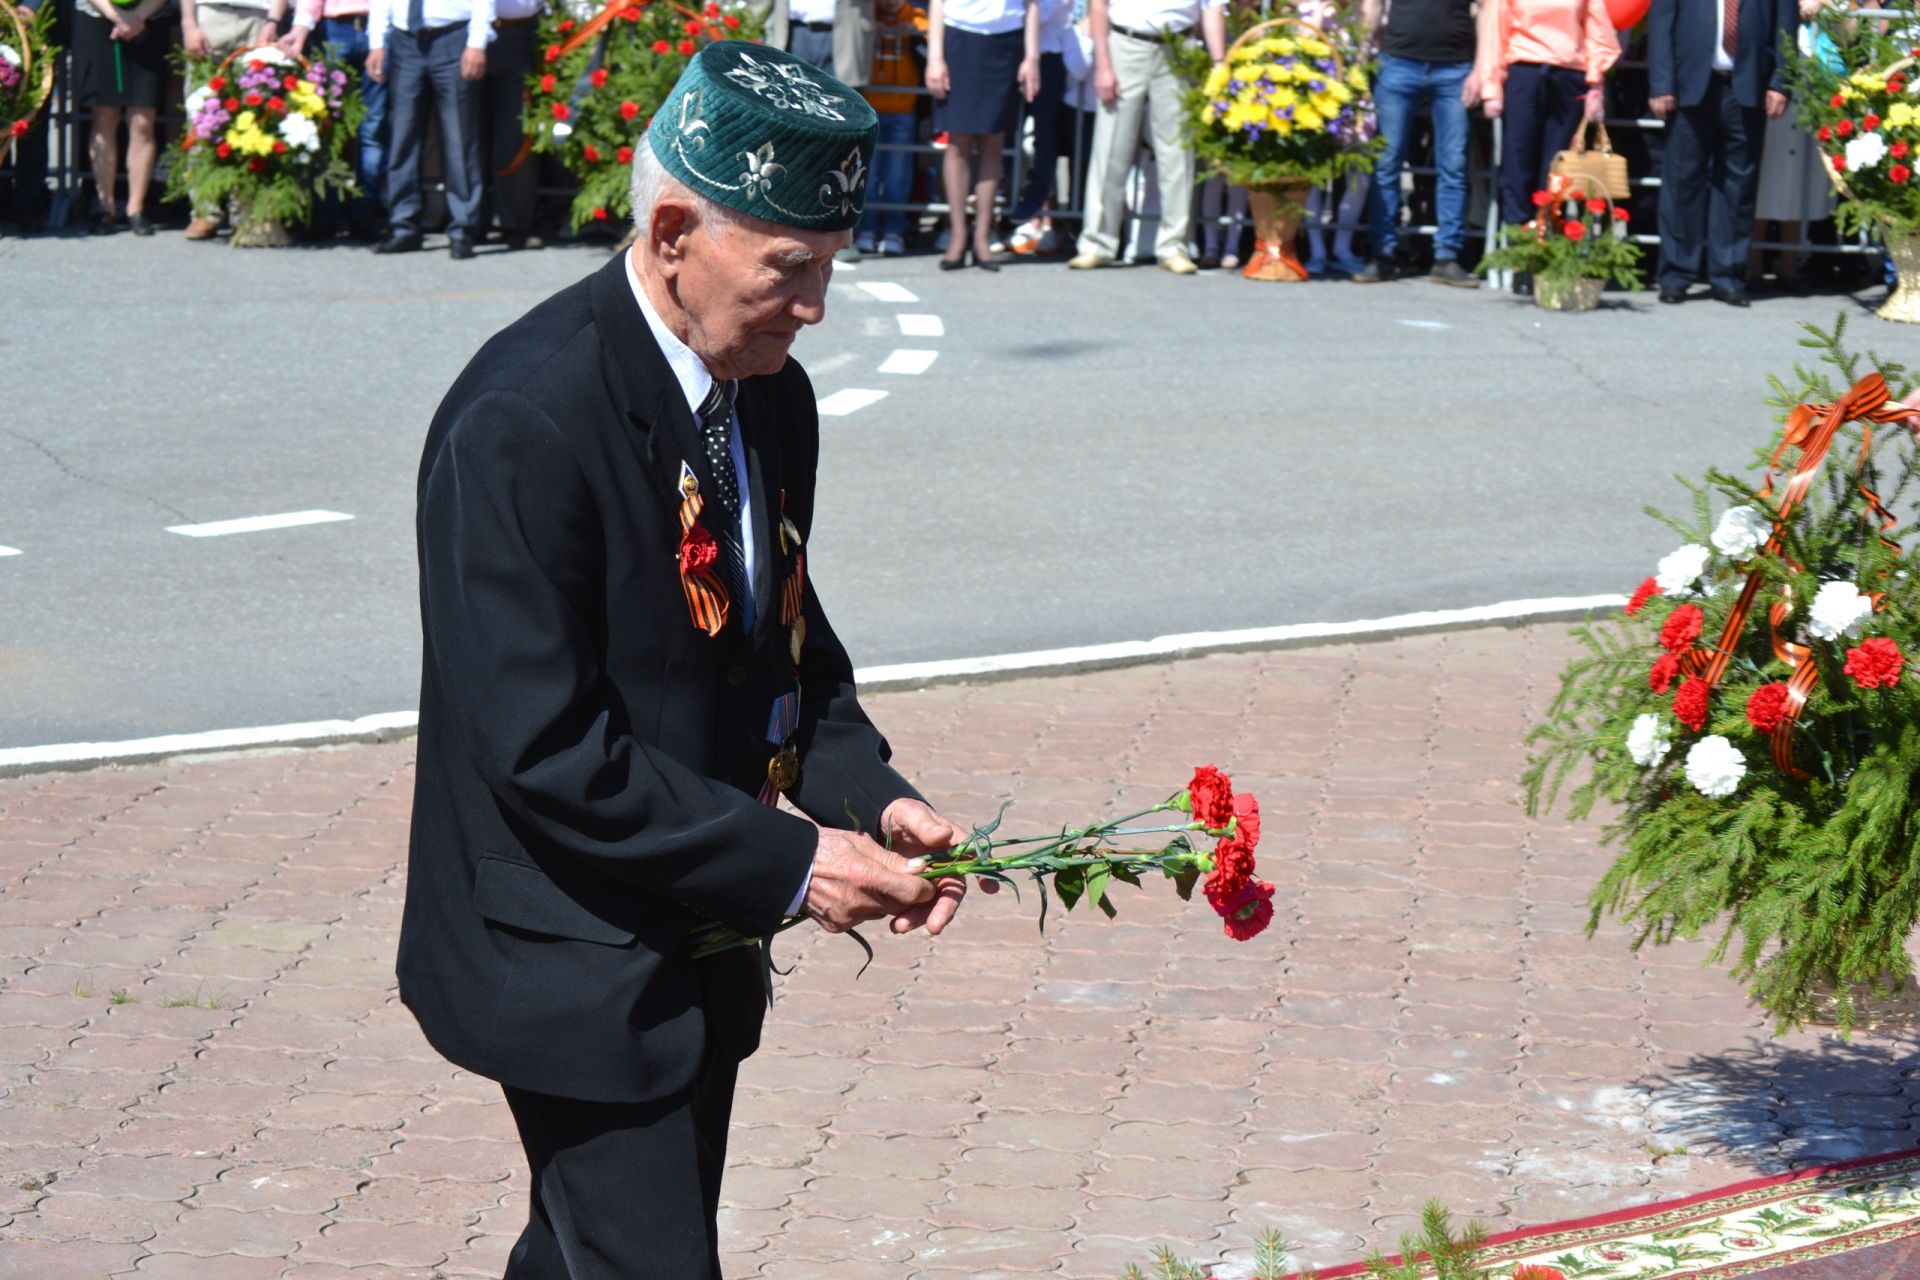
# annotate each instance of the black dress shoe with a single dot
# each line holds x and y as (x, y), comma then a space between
(459, 247)
(139, 224)
(403, 242)
(1733, 297)
(1672, 294)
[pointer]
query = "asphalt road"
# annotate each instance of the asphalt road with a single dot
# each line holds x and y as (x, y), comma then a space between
(1088, 458)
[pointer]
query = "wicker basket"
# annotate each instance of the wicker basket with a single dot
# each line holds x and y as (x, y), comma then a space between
(13, 31)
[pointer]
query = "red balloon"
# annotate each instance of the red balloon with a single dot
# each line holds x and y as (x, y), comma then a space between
(1626, 13)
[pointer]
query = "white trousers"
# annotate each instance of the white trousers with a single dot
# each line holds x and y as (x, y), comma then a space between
(1150, 94)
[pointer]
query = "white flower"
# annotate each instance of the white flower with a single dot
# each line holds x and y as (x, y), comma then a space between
(1679, 570)
(1838, 609)
(195, 100)
(301, 133)
(1864, 150)
(562, 129)
(1715, 766)
(1648, 741)
(268, 54)
(10, 55)
(1741, 530)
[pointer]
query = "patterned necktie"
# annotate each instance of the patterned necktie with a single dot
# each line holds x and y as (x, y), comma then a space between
(716, 432)
(1730, 24)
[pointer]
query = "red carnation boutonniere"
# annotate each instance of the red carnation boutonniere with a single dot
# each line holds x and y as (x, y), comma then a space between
(698, 551)
(707, 602)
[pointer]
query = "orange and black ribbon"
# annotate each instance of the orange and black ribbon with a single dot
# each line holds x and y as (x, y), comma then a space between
(1810, 429)
(706, 599)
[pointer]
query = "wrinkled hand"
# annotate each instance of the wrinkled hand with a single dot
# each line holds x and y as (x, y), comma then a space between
(473, 64)
(939, 81)
(377, 65)
(856, 880)
(1776, 104)
(918, 831)
(1663, 104)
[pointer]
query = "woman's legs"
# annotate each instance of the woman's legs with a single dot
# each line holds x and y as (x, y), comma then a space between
(103, 147)
(986, 182)
(956, 172)
(142, 149)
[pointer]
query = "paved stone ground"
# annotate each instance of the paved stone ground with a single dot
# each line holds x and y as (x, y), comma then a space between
(208, 1075)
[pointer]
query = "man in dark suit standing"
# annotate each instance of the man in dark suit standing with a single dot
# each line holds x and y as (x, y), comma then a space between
(626, 665)
(1715, 76)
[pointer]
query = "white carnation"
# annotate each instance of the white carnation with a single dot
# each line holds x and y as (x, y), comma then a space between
(268, 54)
(10, 55)
(1838, 609)
(1715, 766)
(1865, 150)
(1648, 741)
(561, 129)
(1741, 530)
(1679, 570)
(301, 133)
(195, 100)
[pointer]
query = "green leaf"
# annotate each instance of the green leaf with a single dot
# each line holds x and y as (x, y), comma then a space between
(1069, 884)
(1126, 875)
(1097, 888)
(1183, 882)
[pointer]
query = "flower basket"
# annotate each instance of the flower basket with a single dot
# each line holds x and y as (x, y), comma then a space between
(602, 78)
(1903, 304)
(266, 131)
(1755, 720)
(1582, 294)
(1277, 213)
(26, 69)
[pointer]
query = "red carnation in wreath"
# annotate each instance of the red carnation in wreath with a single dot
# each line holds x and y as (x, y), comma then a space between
(1641, 594)
(1541, 199)
(625, 155)
(660, 46)
(1690, 704)
(547, 83)
(1574, 231)
(561, 111)
(1210, 796)
(628, 110)
(18, 128)
(733, 23)
(592, 153)
(1665, 668)
(599, 77)
(1875, 664)
(1768, 706)
(1682, 627)
(688, 48)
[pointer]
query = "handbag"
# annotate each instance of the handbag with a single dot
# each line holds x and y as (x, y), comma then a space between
(1598, 173)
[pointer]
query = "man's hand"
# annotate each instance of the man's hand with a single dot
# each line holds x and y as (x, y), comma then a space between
(195, 40)
(918, 831)
(1106, 85)
(939, 82)
(1493, 107)
(1470, 93)
(855, 880)
(1663, 104)
(1776, 104)
(295, 41)
(130, 29)
(473, 64)
(377, 65)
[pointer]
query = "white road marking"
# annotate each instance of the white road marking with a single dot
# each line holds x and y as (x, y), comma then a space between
(1434, 325)
(901, 675)
(849, 400)
(888, 291)
(918, 326)
(9, 551)
(254, 524)
(906, 360)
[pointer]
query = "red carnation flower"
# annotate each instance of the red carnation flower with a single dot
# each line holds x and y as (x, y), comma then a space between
(217, 83)
(561, 111)
(599, 77)
(279, 147)
(223, 151)
(1210, 797)
(289, 83)
(1768, 706)
(1641, 594)
(1620, 215)
(689, 48)
(1541, 199)
(698, 550)
(631, 15)
(1250, 911)
(1246, 814)
(1574, 231)
(276, 104)
(547, 83)
(1899, 173)
(255, 64)
(1839, 163)
(1596, 207)
(1871, 122)
(692, 26)
(1224, 882)
(553, 53)
(1898, 151)
(1690, 704)
(712, 11)
(1534, 1271)
(231, 104)
(625, 155)
(1825, 134)
(1683, 626)
(629, 110)
(257, 165)
(18, 128)
(600, 213)
(1839, 100)
(592, 153)
(733, 23)
(565, 26)
(1665, 668)
(1896, 85)
(661, 46)
(1875, 664)
(1844, 128)
(253, 99)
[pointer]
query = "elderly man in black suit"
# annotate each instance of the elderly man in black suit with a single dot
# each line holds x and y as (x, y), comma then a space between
(1715, 75)
(626, 665)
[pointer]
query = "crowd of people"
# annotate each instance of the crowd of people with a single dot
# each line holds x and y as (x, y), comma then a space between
(958, 78)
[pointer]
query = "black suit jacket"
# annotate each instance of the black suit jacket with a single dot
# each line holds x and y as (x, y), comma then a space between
(1681, 35)
(588, 758)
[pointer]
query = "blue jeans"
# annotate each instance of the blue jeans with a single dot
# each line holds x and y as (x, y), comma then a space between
(892, 176)
(370, 155)
(1400, 88)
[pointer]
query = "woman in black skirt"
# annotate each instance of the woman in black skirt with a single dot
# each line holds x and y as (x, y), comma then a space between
(980, 54)
(120, 68)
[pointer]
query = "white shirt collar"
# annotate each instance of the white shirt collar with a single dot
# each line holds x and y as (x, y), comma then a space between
(688, 369)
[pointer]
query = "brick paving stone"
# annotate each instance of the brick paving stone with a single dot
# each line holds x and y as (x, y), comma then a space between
(291, 1190)
(187, 1266)
(162, 1178)
(253, 1233)
(41, 1259)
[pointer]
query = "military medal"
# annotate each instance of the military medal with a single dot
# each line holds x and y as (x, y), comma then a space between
(796, 638)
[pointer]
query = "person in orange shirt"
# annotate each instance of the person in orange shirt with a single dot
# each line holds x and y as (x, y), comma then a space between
(899, 44)
(1541, 65)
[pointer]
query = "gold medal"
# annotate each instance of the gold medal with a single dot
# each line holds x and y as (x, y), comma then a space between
(784, 769)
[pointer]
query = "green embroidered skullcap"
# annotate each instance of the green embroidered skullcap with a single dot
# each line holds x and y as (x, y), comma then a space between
(762, 132)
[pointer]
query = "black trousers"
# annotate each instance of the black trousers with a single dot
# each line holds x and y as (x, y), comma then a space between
(1542, 106)
(510, 199)
(1709, 176)
(630, 1191)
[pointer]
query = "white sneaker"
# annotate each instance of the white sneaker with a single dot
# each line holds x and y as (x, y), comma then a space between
(892, 246)
(1026, 237)
(864, 242)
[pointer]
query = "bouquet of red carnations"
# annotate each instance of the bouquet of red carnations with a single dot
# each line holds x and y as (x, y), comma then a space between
(1084, 862)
